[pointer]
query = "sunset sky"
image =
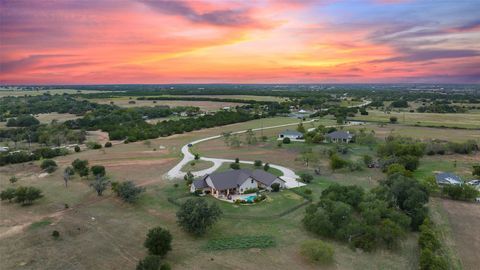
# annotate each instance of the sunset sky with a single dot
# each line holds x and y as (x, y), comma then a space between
(285, 41)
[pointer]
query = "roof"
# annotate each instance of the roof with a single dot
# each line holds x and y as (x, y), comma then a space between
(235, 178)
(291, 133)
(340, 135)
(448, 178)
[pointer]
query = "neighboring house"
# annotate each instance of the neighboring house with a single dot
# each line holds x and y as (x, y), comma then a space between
(291, 134)
(233, 182)
(3, 149)
(340, 137)
(448, 179)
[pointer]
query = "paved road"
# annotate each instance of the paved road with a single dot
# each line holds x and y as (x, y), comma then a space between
(288, 175)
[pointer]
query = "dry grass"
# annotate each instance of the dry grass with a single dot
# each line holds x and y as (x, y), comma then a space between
(60, 117)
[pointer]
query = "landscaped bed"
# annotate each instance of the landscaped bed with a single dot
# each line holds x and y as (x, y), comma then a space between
(240, 242)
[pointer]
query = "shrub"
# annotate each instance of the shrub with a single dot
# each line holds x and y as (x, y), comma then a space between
(8, 194)
(55, 234)
(127, 191)
(49, 165)
(77, 148)
(266, 167)
(108, 144)
(197, 156)
(367, 160)
(460, 192)
(307, 191)
(306, 177)
(286, 140)
(275, 187)
(152, 262)
(98, 170)
(336, 162)
(27, 195)
(250, 190)
(257, 163)
(393, 119)
(317, 251)
(237, 160)
(80, 167)
(13, 179)
(158, 241)
(94, 145)
(235, 166)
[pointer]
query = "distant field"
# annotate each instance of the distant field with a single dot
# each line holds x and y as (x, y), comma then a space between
(4, 93)
(248, 97)
(203, 105)
(461, 120)
(422, 133)
(60, 117)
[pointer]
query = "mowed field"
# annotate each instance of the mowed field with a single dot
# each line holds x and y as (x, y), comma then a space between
(422, 133)
(203, 105)
(460, 120)
(105, 233)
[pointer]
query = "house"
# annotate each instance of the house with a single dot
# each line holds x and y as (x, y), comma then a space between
(340, 137)
(225, 184)
(291, 134)
(4, 149)
(448, 179)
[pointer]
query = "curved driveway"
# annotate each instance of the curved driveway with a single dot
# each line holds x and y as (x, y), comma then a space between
(288, 175)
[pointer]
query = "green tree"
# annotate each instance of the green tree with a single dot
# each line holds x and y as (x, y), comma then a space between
(275, 187)
(8, 194)
(196, 216)
(317, 251)
(100, 184)
(266, 167)
(476, 170)
(158, 241)
(257, 163)
(80, 167)
(188, 177)
(49, 165)
(152, 262)
(306, 177)
(367, 160)
(301, 128)
(336, 162)
(13, 179)
(286, 140)
(77, 148)
(128, 191)
(27, 195)
(98, 170)
(393, 119)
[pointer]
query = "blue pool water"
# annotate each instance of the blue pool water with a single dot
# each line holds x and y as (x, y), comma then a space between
(250, 198)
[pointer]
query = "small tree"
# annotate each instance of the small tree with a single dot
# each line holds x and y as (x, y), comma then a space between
(8, 194)
(301, 128)
(317, 251)
(197, 156)
(476, 170)
(13, 179)
(108, 144)
(128, 191)
(235, 166)
(266, 167)
(49, 165)
(257, 163)
(67, 174)
(196, 216)
(275, 187)
(393, 119)
(80, 167)
(27, 195)
(98, 170)
(237, 160)
(152, 262)
(286, 140)
(306, 177)
(100, 184)
(77, 148)
(158, 241)
(188, 177)
(367, 160)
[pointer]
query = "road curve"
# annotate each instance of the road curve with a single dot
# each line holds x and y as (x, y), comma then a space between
(288, 175)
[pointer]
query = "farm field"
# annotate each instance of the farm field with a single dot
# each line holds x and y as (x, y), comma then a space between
(60, 117)
(203, 105)
(421, 133)
(104, 225)
(247, 97)
(460, 120)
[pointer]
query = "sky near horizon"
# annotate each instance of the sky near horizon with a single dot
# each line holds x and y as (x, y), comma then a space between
(266, 41)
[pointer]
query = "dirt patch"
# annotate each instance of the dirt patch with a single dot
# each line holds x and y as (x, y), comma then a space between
(465, 221)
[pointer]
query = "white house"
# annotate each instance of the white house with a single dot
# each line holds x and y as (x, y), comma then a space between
(233, 182)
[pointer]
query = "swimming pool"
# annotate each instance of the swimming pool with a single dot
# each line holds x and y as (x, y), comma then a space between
(250, 198)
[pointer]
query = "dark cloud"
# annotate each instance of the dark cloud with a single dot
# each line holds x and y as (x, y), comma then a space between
(226, 17)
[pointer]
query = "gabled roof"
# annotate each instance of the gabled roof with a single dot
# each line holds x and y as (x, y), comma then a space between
(291, 133)
(340, 135)
(234, 179)
(448, 178)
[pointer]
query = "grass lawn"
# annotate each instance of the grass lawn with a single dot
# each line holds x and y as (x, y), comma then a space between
(460, 120)
(226, 167)
(197, 165)
(458, 164)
